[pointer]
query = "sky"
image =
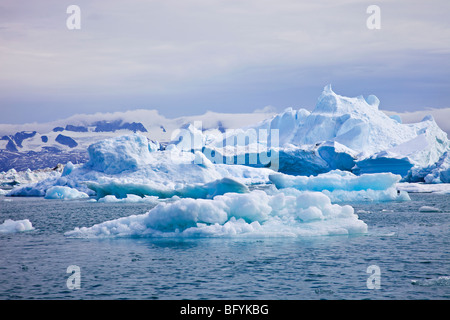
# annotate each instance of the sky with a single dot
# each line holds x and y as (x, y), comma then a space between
(185, 57)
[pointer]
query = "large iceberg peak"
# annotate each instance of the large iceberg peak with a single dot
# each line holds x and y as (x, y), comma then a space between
(330, 102)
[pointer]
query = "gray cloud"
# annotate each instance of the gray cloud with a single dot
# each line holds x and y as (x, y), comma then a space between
(241, 52)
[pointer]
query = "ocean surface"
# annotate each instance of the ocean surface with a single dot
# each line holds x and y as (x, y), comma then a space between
(410, 249)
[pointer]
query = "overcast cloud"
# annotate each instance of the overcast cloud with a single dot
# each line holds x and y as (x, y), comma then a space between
(184, 57)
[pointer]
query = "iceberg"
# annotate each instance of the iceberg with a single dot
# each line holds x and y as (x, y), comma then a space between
(64, 193)
(190, 174)
(255, 214)
(12, 178)
(344, 133)
(341, 186)
(13, 226)
(130, 198)
(126, 165)
(201, 190)
(358, 124)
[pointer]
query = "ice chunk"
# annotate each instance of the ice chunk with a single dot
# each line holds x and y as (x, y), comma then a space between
(391, 194)
(439, 281)
(207, 190)
(336, 180)
(442, 188)
(252, 214)
(65, 193)
(67, 169)
(130, 198)
(12, 226)
(342, 186)
(429, 209)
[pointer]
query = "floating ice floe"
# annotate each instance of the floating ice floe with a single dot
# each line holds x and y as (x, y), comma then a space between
(342, 186)
(130, 198)
(251, 214)
(64, 193)
(12, 226)
(429, 209)
(12, 178)
(415, 187)
(439, 281)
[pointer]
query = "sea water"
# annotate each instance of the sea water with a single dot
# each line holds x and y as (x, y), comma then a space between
(408, 249)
